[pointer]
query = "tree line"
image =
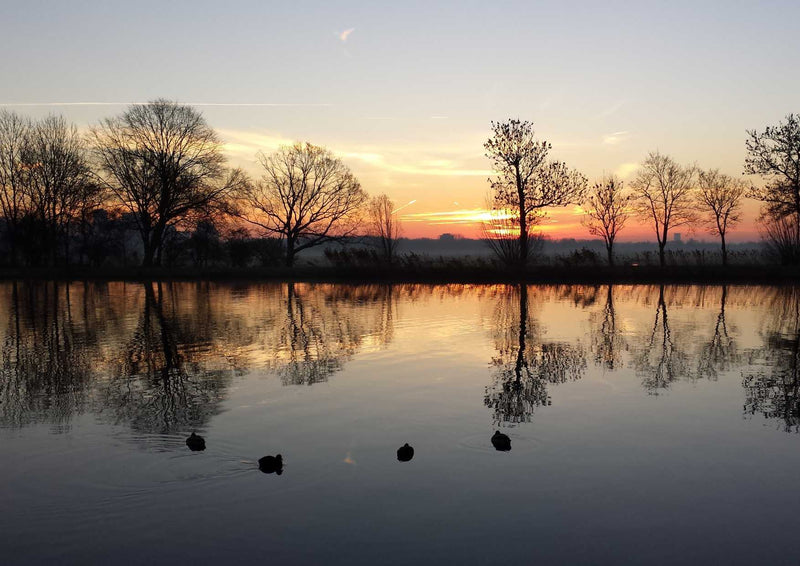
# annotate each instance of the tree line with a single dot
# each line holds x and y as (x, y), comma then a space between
(157, 170)
(152, 185)
(663, 194)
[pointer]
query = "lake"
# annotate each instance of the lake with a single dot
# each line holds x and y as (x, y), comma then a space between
(648, 424)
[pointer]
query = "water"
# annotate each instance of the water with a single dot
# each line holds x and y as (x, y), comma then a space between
(649, 425)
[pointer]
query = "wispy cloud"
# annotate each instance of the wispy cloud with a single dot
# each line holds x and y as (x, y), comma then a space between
(436, 161)
(613, 109)
(345, 34)
(615, 138)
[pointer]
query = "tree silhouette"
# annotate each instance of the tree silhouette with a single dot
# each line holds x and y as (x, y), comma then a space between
(526, 182)
(721, 195)
(607, 211)
(663, 192)
(306, 195)
(164, 164)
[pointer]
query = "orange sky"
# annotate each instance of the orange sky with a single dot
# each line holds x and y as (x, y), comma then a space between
(442, 187)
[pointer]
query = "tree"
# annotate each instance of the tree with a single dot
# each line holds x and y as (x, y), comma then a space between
(607, 211)
(526, 182)
(62, 187)
(663, 195)
(164, 164)
(14, 174)
(384, 226)
(721, 196)
(774, 154)
(306, 195)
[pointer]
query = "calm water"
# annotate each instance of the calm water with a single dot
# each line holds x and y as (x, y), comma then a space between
(649, 425)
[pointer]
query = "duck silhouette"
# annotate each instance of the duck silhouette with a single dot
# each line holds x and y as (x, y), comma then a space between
(501, 441)
(196, 443)
(271, 464)
(405, 453)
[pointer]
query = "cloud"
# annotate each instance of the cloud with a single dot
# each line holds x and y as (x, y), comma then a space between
(615, 138)
(613, 109)
(345, 34)
(432, 161)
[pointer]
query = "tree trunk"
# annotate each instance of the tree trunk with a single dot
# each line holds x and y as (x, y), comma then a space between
(523, 222)
(610, 250)
(289, 252)
(661, 256)
(724, 251)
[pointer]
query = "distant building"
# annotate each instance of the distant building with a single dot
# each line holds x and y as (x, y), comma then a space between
(676, 237)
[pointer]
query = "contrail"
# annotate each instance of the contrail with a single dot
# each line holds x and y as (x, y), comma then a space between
(405, 205)
(230, 104)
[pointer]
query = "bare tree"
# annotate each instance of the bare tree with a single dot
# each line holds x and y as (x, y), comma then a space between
(782, 237)
(607, 211)
(384, 225)
(721, 195)
(14, 202)
(164, 164)
(61, 184)
(774, 154)
(501, 233)
(306, 195)
(526, 182)
(663, 193)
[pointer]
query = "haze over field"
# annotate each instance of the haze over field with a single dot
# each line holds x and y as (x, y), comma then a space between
(404, 93)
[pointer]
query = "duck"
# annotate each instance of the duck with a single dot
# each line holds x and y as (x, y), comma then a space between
(271, 464)
(405, 453)
(501, 441)
(196, 443)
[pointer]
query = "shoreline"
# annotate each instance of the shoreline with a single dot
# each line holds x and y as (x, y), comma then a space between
(434, 274)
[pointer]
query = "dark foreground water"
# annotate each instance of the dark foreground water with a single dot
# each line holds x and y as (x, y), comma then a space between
(649, 425)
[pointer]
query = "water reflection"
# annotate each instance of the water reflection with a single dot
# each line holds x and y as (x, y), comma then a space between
(161, 357)
(158, 385)
(773, 388)
(718, 354)
(660, 360)
(607, 338)
(45, 366)
(525, 362)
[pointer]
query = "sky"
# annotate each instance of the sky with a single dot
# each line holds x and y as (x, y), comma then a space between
(404, 92)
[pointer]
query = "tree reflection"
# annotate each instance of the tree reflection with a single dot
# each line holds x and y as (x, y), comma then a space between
(525, 364)
(773, 390)
(718, 354)
(660, 363)
(323, 328)
(607, 339)
(157, 385)
(44, 374)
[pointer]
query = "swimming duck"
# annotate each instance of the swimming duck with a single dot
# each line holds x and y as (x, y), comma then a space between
(501, 441)
(271, 464)
(196, 443)
(405, 453)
